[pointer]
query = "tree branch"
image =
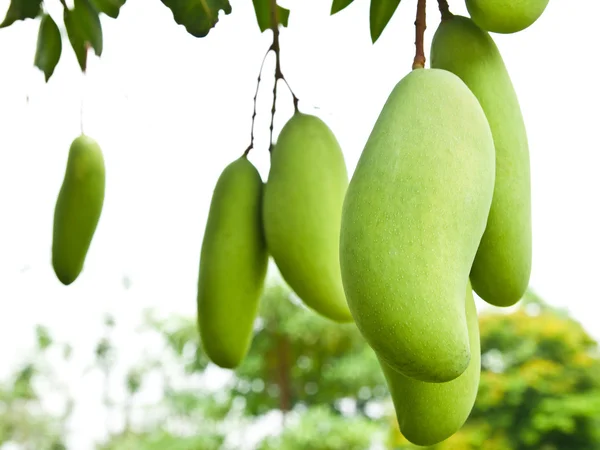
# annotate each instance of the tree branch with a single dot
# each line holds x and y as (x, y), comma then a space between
(444, 9)
(251, 146)
(420, 27)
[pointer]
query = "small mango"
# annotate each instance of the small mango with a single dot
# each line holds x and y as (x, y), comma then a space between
(502, 267)
(413, 217)
(505, 16)
(303, 210)
(78, 208)
(429, 413)
(233, 265)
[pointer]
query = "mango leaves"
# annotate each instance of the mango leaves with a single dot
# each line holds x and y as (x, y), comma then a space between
(380, 13)
(197, 16)
(109, 7)
(21, 10)
(49, 46)
(264, 16)
(84, 30)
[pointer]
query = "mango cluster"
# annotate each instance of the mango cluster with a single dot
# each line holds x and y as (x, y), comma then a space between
(294, 217)
(439, 206)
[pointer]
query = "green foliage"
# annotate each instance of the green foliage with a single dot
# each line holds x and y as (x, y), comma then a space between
(339, 5)
(109, 7)
(84, 30)
(21, 10)
(162, 440)
(379, 15)
(321, 429)
(264, 17)
(197, 16)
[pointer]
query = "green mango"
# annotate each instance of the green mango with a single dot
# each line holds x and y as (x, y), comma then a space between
(505, 16)
(502, 267)
(78, 208)
(429, 413)
(303, 210)
(413, 216)
(233, 265)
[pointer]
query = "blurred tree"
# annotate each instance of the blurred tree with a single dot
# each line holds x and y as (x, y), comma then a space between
(24, 420)
(540, 384)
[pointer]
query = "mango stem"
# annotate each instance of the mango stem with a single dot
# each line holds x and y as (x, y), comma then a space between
(278, 72)
(420, 27)
(251, 146)
(444, 10)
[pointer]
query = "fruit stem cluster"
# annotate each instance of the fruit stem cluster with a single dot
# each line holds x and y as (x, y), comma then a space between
(444, 9)
(420, 26)
(278, 76)
(251, 146)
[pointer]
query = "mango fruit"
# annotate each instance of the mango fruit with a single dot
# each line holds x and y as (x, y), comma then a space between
(302, 213)
(233, 265)
(78, 208)
(502, 267)
(412, 220)
(429, 413)
(505, 16)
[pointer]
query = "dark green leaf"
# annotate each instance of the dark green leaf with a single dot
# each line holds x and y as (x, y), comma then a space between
(262, 8)
(197, 16)
(49, 48)
(338, 5)
(379, 16)
(84, 30)
(109, 7)
(21, 10)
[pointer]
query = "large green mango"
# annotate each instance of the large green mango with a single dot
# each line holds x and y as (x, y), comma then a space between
(78, 208)
(302, 213)
(413, 216)
(429, 413)
(500, 273)
(233, 265)
(505, 16)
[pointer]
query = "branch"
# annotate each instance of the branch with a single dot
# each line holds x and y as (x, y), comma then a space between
(420, 26)
(278, 72)
(444, 9)
(251, 146)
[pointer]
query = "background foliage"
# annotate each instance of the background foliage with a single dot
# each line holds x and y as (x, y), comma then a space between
(310, 383)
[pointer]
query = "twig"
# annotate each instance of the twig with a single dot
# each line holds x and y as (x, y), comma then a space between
(444, 9)
(251, 146)
(420, 26)
(278, 72)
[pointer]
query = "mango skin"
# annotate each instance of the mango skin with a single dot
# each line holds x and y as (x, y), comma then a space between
(413, 216)
(302, 213)
(505, 16)
(502, 267)
(429, 413)
(233, 265)
(78, 208)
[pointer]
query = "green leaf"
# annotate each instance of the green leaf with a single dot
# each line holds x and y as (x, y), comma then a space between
(338, 5)
(262, 8)
(21, 10)
(380, 14)
(49, 46)
(84, 30)
(109, 7)
(197, 16)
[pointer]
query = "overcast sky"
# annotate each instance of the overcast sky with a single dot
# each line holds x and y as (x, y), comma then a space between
(171, 111)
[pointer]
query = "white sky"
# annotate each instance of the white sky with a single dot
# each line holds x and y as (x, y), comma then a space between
(170, 111)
